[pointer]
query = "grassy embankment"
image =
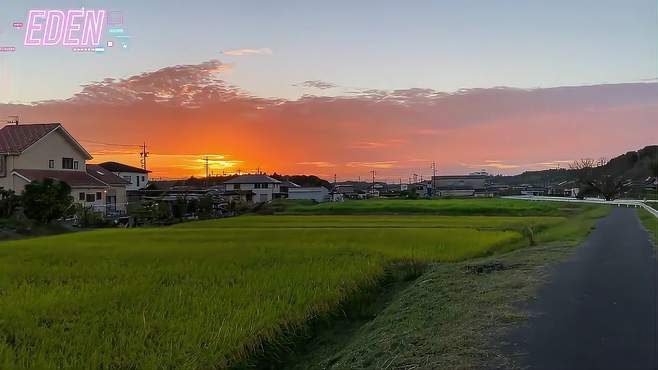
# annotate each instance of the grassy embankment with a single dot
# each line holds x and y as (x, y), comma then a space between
(214, 293)
(453, 315)
(650, 222)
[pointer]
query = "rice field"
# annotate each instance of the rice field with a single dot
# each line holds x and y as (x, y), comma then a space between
(448, 207)
(210, 294)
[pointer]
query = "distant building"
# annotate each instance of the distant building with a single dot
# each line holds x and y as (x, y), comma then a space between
(254, 188)
(460, 186)
(286, 185)
(533, 190)
(422, 189)
(346, 190)
(138, 178)
(480, 173)
(318, 194)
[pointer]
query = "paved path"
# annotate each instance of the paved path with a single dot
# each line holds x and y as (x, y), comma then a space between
(599, 309)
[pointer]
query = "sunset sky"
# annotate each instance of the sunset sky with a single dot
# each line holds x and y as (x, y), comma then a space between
(346, 87)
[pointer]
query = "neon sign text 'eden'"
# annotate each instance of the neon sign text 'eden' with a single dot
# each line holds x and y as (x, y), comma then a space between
(75, 27)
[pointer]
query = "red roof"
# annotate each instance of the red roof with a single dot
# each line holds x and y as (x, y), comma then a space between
(105, 175)
(75, 179)
(120, 167)
(14, 139)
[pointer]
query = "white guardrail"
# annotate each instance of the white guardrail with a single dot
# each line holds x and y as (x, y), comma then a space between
(617, 202)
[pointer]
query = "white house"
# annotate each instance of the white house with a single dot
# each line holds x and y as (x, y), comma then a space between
(318, 194)
(254, 188)
(138, 178)
(30, 152)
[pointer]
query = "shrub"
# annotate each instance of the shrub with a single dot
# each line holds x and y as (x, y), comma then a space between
(47, 200)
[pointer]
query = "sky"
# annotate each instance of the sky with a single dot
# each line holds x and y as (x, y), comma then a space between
(347, 87)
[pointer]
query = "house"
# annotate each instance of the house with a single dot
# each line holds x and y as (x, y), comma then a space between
(285, 187)
(533, 190)
(254, 188)
(423, 189)
(346, 190)
(114, 193)
(318, 194)
(31, 152)
(460, 185)
(138, 178)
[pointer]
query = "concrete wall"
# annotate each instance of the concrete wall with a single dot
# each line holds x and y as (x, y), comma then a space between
(316, 194)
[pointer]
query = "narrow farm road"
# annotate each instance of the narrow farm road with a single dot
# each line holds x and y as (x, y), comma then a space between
(598, 311)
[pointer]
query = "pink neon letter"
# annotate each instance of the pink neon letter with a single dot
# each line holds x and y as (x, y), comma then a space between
(71, 26)
(54, 25)
(93, 27)
(33, 26)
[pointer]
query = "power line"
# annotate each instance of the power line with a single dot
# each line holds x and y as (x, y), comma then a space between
(109, 144)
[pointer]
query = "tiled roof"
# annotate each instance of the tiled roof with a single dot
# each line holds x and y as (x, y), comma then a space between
(105, 175)
(120, 167)
(252, 179)
(14, 139)
(75, 179)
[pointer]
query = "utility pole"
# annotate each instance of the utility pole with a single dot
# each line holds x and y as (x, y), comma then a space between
(433, 169)
(334, 179)
(143, 155)
(207, 167)
(373, 178)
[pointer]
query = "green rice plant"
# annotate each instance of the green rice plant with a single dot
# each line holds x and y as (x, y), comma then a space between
(197, 297)
(452, 207)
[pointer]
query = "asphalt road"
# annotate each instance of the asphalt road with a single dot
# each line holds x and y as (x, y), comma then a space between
(598, 311)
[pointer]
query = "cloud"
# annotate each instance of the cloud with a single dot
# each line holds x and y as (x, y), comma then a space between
(317, 84)
(496, 164)
(376, 144)
(247, 51)
(384, 164)
(186, 109)
(180, 85)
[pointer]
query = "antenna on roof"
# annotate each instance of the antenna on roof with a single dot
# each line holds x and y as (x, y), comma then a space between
(13, 120)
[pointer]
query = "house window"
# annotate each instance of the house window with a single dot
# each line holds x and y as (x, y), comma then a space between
(81, 196)
(265, 186)
(90, 197)
(67, 163)
(99, 195)
(236, 187)
(3, 166)
(128, 178)
(256, 186)
(137, 178)
(75, 165)
(51, 163)
(143, 179)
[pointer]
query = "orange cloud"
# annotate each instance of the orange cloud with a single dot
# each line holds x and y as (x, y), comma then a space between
(183, 112)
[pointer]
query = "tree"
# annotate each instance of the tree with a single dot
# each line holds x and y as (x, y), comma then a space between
(9, 201)
(594, 182)
(46, 200)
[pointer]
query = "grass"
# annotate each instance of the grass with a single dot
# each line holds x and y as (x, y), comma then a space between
(216, 293)
(650, 223)
(449, 207)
